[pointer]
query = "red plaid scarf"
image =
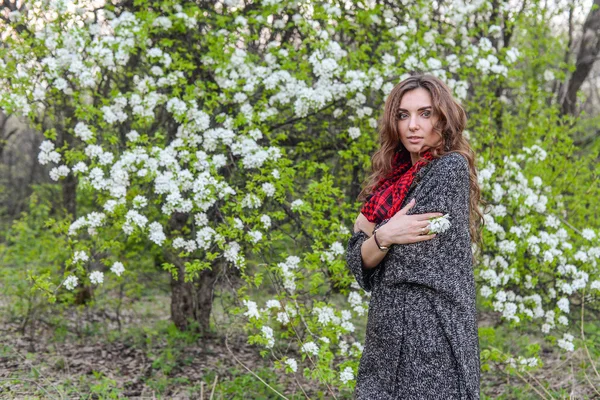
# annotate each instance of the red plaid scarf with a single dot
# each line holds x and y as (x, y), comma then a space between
(390, 191)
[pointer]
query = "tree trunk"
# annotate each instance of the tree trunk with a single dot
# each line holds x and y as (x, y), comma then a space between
(205, 290)
(588, 51)
(183, 305)
(69, 200)
(191, 302)
(69, 192)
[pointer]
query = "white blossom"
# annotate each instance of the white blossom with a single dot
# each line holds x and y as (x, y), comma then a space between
(80, 256)
(439, 224)
(232, 254)
(273, 304)
(566, 342)
(255, 236)
(588, 234)
(70, 282)
(268, 188)
(346, 375)
(266, 221)
(485, 291)
(96, 277)
(268, 334)
(292, 364)
(548, 75)
(296, 204)
(118, 268)
(252, 311)
(83, 132)
(132, 136)
(507, 246)
(156, 233)
(57, 172)
(310, 348)
(563, 304)
(354, 132)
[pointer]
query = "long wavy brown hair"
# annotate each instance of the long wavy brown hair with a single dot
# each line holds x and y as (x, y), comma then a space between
(451, 122)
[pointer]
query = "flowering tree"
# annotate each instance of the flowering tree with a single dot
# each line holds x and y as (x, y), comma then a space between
(233, 137)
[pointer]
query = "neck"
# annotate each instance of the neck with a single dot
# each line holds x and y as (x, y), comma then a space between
(414, 157)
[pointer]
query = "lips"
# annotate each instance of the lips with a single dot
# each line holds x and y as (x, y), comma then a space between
(414, 139)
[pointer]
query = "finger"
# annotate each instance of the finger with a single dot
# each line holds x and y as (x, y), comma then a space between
(361, 218)
(407, 207)
(363, 224)
(422, 224)
(421, 238)
(421, 230)
(421, 217)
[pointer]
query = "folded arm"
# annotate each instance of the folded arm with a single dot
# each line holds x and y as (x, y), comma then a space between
(446, 191)
(434, 262)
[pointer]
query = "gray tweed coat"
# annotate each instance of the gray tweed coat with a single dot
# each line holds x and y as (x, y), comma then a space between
(422, 340)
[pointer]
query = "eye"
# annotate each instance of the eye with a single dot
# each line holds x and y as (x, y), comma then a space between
(402, 115)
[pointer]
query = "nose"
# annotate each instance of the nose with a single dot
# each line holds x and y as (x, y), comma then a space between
(412, 123)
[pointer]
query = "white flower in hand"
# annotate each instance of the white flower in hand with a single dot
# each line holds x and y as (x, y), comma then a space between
(439, 224)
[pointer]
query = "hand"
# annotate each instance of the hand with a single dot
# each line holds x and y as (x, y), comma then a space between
(403, 229)
(363, 224)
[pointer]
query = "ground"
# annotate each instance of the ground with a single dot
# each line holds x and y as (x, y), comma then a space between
(84, 355)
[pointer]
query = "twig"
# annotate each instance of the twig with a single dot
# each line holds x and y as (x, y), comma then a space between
(530, 385)
(583, 335)
(38, 372)
(248, 369)
(572, 381)
(525, 380)
(571, 355)
(538, 382)
(569, 225)
(279, 290)
(301, 388)
(302, 319)
(590, 382)
(212, 392)
(27, 380)
(309, 357)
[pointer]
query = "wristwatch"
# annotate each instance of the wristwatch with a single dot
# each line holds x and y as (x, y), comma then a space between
(382, 248)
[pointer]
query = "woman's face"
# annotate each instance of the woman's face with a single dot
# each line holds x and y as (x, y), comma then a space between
(416, 121)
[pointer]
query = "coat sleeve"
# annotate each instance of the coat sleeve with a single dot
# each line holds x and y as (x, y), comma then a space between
(366, 277)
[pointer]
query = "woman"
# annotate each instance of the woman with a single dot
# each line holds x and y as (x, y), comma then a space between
(421, 340)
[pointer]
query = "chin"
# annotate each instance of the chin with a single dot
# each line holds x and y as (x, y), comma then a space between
(413, 148)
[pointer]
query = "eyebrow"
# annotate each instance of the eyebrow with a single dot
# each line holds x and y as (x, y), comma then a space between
(422, 108)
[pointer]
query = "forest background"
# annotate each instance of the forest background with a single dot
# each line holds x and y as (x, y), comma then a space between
(179, 181)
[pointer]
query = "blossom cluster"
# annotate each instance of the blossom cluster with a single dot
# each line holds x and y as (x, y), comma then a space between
(531, 242)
